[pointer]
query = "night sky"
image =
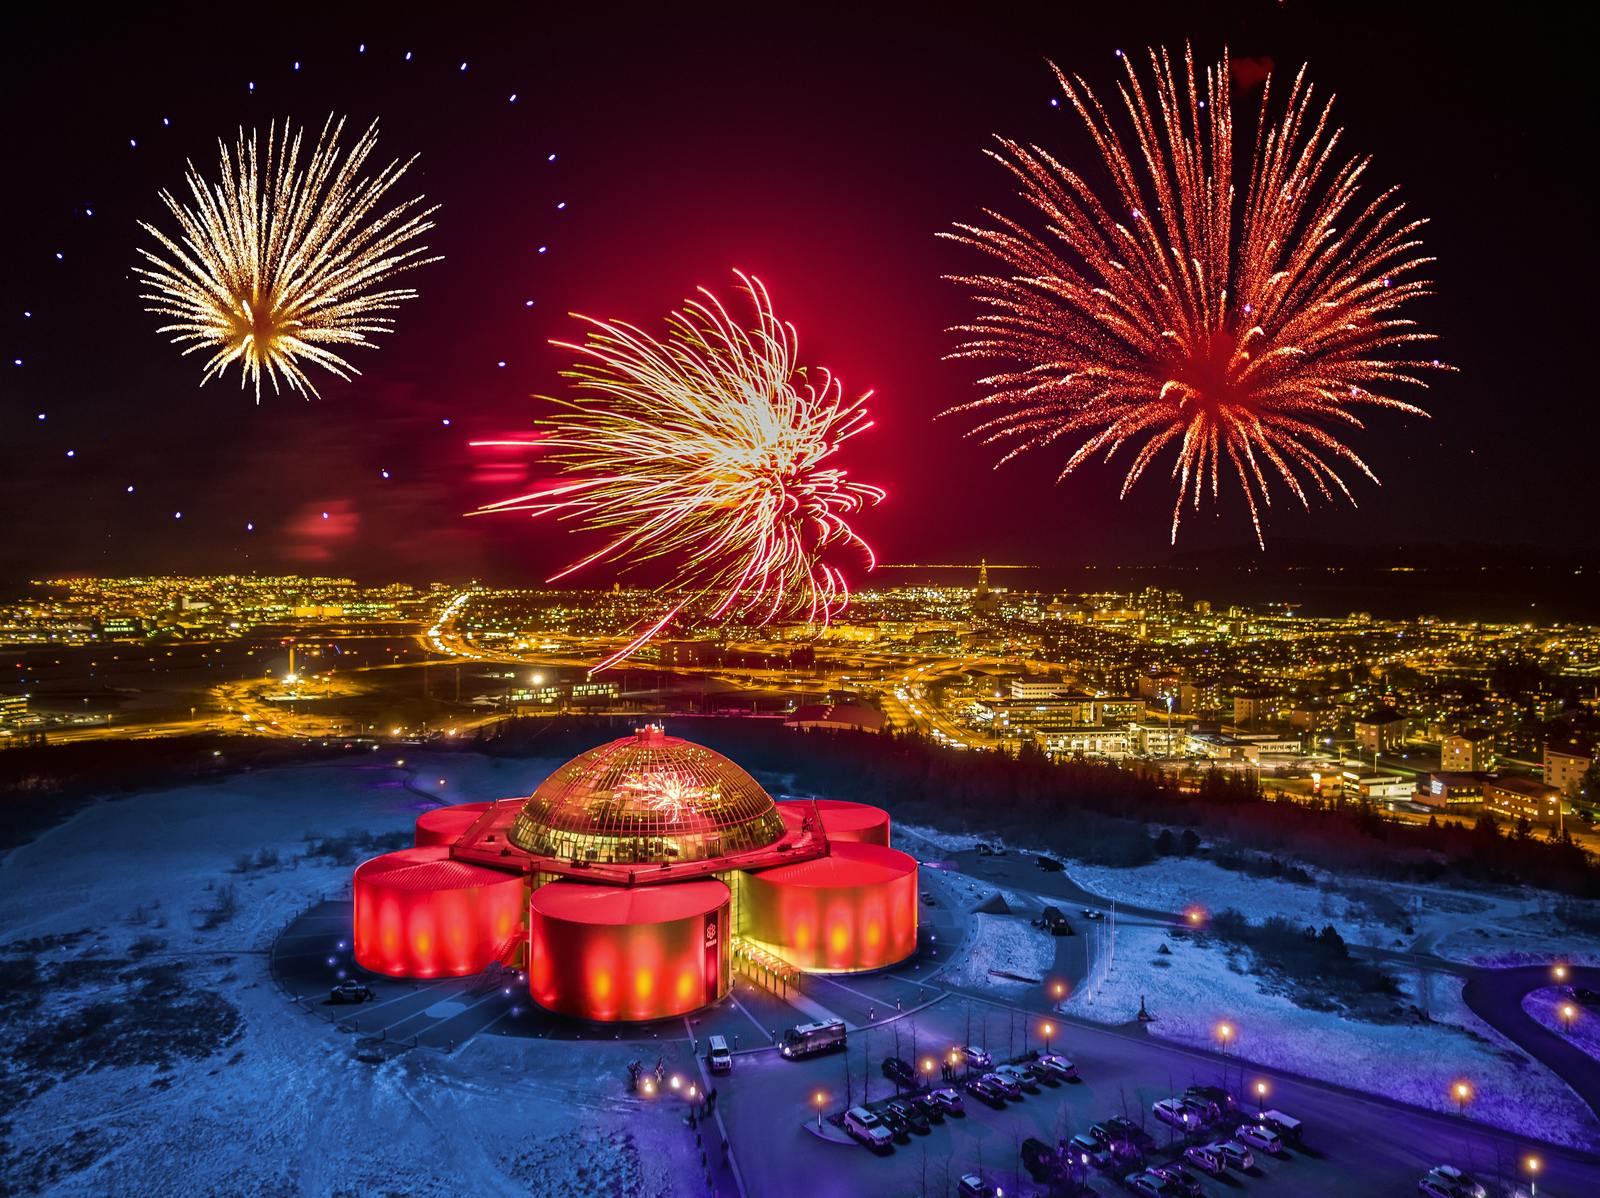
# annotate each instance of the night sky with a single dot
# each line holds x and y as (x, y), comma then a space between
(821, 153)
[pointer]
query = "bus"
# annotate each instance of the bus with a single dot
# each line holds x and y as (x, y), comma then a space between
(811, 1038)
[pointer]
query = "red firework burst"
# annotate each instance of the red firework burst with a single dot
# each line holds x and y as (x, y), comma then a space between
(1173, 318)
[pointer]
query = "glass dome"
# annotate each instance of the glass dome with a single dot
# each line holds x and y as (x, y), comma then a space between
(648, 797)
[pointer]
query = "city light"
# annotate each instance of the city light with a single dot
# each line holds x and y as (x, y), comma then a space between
(1461, 1091)
(1261, 1095)
(1560, 972)
(1533, 1164)
(819, 1098)
(1049, 1030)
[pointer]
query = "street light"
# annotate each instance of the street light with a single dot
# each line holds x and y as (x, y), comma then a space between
(1049, 1030)
(1057, 989)
(1261, 1097)
(1533, 1165)
(1462, 1093)
(818, 1098)
(1561, 973)
(1568, 1014)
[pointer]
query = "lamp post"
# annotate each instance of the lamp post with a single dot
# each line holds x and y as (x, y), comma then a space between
(1568, 1014)
(1533, 1164)
(1224, 1035)
(1462, 1093)
(1049, 1030)
(1560, 972)
(1056, 992)
(1261, 1097)
(819, 1099)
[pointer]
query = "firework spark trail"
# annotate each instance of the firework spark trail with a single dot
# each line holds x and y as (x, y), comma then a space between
(1175, 319)
(709, 447)
(277, 264)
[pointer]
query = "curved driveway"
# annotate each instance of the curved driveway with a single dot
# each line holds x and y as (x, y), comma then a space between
(1493, 995)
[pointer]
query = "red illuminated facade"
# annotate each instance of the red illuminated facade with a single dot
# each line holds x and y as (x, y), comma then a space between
(854, 909)
(446, 825)
(419, 913)
(624, 880)
(612, 952)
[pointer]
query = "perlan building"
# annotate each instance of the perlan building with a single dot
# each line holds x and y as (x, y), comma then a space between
(624, 881)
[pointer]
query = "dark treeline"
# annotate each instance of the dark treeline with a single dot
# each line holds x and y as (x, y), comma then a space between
(1096, 811)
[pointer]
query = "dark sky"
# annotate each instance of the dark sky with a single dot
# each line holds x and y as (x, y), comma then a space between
(821, 153)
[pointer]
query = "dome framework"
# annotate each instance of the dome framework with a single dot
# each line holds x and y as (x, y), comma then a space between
(647, 798)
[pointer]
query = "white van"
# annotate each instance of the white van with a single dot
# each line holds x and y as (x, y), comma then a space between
(717, 1055)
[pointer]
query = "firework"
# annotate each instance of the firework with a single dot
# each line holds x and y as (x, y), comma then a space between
(280, 264)
(1169, 317)
(710, 447)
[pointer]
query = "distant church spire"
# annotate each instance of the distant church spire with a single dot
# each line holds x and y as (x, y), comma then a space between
(983, 572)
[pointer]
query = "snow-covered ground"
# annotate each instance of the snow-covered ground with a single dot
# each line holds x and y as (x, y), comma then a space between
(1005, 942)
(1196, 988)
(281, 1106)
(1582, 1027)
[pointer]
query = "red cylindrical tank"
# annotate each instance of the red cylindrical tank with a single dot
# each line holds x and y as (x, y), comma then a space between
(421, 914)
(840, 820)
(627, 953)
(444, 825)
(851, 910)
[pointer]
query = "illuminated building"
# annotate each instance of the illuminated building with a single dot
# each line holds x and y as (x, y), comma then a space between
(629, 878)
(1453, 790)
(1471, 751)
(1566, 763)
(1522, 798)
(1382, 729)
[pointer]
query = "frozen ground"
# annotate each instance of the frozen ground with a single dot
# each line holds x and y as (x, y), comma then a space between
(1197, 987)
(153, 1054)
(1583, 1029)
(1005, 942)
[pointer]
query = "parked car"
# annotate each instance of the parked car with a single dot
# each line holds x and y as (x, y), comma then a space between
(909, 1113)
(1005, 1083)
(975, 1057)
(984, 848)
(1259, 1136)
(1052, 1063)
(718, 1058)
(1204, 1111)
(350, 992)
(1086, 1150)
(1123, 1128)
(985, 1090)
(1053, 921)
(1039, 1159)
(1050, 865)
(868, 1128)
(948, 1100)
(1236, 1154)
(1217, 1096)
(972, 1185)
(899, 1127)
(1287, 1126)
(1175, 1114)
(1446, 1181)
(1207, 1159)
(1148, 1183)
(900, 1072)
(1093, 913)
(1184, 1183)
(925, 1106)
(1022, 1075)
(1585, 996)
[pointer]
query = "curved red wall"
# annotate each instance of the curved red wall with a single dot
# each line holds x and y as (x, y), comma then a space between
(444, 825)
(851, 910)
(840, 820)
(628, 953)
(420, 914)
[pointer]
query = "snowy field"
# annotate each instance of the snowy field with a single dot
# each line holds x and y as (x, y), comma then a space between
(222, 1086)
(1005, 942)
(1583, 1029)
(1196, 988)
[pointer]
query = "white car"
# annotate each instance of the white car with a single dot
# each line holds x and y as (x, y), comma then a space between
(1172, 1112)
(1446, 1181)
(973, 1055)
(1207, 1159)
(1260, 1137)
(867, 1127)
(1236, 1154)
(1058, 1065)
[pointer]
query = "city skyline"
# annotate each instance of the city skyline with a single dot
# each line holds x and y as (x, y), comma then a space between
(370, 480)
